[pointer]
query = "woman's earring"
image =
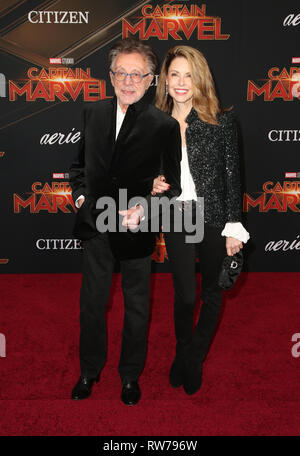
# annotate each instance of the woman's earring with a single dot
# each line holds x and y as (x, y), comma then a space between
(167, 90)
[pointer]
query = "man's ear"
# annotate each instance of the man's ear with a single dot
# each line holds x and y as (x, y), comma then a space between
(111, 78)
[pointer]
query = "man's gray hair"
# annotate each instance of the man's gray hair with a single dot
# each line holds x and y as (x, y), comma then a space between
(129, 45)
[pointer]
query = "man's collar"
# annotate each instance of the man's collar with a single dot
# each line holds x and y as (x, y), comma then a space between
(141, 104)
(138, 106)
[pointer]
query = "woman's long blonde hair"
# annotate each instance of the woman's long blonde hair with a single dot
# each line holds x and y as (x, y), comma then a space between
(205, 100)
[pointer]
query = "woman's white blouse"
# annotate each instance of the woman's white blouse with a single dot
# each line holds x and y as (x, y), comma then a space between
(186, 180)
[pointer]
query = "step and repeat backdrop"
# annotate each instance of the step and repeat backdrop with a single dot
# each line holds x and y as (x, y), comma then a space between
(54, 58)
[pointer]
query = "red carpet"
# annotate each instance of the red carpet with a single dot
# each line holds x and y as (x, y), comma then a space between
(250, 382)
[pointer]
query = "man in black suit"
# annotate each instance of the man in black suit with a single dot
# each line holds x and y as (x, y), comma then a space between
(126, 142)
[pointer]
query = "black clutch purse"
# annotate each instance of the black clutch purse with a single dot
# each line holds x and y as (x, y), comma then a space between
(231, 268)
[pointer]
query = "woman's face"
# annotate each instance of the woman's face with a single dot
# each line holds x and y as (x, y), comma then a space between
(179, 80)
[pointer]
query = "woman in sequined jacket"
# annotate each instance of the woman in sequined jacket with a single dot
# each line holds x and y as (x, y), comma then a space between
(209, 169)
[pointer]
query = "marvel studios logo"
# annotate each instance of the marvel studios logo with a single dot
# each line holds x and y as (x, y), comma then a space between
(60, 175)
(292, 174)
(61, 60)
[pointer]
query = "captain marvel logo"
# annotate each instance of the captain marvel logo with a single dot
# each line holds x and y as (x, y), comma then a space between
(281, 84)
(175, 21)
(58, 84)
(275, 197)
(52, 198)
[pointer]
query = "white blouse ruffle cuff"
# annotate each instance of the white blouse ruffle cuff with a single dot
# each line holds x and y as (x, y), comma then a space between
(237, 231)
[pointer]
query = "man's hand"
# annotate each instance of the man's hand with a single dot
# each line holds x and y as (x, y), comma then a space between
(233, 245)
(159, 185)
(132, 217)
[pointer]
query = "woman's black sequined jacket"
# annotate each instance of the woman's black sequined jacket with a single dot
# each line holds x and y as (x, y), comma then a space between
(214, 165)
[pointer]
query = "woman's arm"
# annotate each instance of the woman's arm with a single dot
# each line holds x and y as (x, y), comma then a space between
(234, 231)
(232, 169)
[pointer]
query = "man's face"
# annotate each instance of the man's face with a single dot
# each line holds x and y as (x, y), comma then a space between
(128, 91)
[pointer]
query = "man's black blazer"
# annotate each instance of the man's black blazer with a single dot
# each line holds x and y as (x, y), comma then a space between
(148, 143)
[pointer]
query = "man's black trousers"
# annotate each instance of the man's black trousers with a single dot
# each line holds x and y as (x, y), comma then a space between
(98, 266)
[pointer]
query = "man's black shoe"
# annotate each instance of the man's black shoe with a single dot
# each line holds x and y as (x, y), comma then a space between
(131, 392)
(83, 387)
